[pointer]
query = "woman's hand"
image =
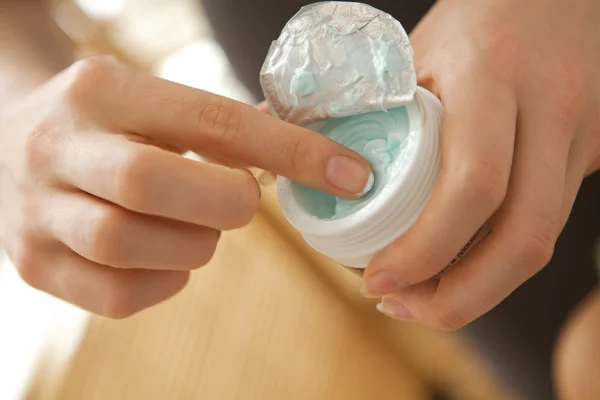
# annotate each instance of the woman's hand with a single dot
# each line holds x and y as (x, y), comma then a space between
(521, 92)
(98, 207)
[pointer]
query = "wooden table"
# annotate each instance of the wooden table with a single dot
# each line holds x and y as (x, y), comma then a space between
(266, 319)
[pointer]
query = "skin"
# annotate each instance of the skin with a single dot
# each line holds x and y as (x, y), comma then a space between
(521, 129)
(97, 206)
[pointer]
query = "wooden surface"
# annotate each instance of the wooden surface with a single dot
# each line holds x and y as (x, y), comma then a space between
(267, 319)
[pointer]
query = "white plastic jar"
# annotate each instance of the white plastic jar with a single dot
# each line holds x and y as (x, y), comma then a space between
(354, 239)
(346, 70)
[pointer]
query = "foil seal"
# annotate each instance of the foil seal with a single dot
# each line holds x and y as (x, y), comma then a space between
(336, 59)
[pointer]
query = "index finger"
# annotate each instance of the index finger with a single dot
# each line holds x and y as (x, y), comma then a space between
(209, 124)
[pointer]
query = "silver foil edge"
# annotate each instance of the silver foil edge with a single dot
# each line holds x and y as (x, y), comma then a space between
(337, 59)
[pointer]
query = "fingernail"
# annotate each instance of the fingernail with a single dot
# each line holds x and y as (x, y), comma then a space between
(395, 310)
(380, 284)
(350, 175)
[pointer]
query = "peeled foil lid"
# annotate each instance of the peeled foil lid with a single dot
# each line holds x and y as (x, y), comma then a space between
(336, 59)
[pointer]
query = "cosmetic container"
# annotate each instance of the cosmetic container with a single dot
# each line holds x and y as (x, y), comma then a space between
(346, 70)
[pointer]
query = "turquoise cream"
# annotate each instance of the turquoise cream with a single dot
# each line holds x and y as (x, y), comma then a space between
(380, 136)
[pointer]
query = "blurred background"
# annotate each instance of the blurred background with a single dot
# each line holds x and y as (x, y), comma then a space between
(267, 319)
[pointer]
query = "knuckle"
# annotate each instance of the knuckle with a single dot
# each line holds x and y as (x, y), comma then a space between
(102, 235)
(220, 119)
(299, 153)
(498, 46)
(38, 149)
(426, 256)
(27, 212)
(132, 176)
(490, 55)
(536, 250)
(24, 258)
(90, 74)
(119, 300)
(93, 67)
(448, 319)
(486, 182)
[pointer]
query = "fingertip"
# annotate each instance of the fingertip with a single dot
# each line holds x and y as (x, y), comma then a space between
(368, 185)
(350, 175)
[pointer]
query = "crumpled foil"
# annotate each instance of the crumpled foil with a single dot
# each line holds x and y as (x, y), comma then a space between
(336, 59)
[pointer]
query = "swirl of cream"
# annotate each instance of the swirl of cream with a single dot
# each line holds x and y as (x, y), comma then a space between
(380, 136)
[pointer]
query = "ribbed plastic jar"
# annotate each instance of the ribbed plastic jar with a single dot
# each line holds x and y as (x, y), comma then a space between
(354, 239)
